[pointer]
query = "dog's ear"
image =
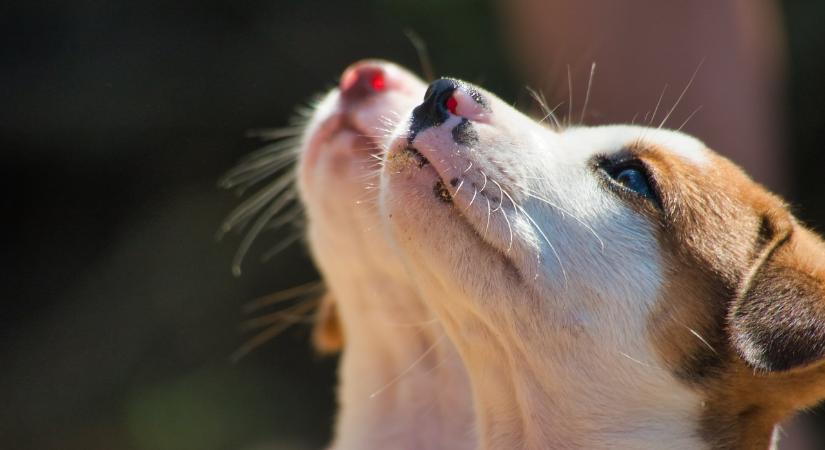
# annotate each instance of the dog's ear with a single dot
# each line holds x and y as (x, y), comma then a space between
(777, 323)
(327, 335)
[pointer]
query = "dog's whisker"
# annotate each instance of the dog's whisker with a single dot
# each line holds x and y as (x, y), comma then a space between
(566, 212)
(504, 214)
(658, 103)
(272, 134)
(264, 163)
(287, 217)
(637, 361)
(283, 245)
(254, 204)
(487, 225)
(295, 314)
(698, 336)
(469, 205)
(684, 91)
(689, 117)
(546, 239)
(569, 119)
(260, 339)
(410, 368)
(261, 222)
(587, 93)
(313, 287)
(548, 112)
(458, 189)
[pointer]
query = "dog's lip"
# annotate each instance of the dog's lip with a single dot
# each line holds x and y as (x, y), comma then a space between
(335, 125)
(422, 160)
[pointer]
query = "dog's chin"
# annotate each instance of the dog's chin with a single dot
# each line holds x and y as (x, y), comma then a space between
(337, 153)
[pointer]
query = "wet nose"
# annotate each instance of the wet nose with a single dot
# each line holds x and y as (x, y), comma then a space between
(362, 80)
(438, 101)
(445, 97)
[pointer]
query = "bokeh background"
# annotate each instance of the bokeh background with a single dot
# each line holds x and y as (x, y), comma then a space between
(119, 308)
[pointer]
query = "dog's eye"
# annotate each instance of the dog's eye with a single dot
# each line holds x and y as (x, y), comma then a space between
(635, 179)
(630, 175)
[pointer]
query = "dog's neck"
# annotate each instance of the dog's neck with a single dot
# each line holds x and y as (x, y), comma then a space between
(401, 382)
(572, 407)
(579, 393)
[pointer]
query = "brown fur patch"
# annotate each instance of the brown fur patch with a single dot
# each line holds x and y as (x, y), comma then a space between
(717, 229)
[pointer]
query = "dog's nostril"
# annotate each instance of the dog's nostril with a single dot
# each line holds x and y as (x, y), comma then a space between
(452, 104)
(362, 80)
(437, 103)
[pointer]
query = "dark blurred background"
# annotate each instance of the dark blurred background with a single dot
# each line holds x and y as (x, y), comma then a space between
(117, 118)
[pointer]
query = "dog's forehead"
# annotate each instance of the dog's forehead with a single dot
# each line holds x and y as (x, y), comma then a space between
(613, 138)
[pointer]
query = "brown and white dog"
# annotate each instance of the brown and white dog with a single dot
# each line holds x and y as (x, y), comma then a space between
(401, 382)
(607, 287)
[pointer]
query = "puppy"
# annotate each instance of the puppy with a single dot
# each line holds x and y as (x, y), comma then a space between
(606, 287)
(401, 382)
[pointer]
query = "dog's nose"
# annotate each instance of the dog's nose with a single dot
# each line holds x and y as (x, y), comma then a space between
(436, 106)
(362, 80)
(445, 97)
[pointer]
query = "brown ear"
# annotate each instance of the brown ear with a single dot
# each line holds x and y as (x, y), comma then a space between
(778, 321)
(327, 335)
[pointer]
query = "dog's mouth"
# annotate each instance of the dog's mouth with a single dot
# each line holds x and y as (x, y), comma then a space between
(440, 191)
(420, 160)
(482, 213)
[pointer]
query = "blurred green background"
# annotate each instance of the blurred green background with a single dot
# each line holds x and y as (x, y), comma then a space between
(117, 118)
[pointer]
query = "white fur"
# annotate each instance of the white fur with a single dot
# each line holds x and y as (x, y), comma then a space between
(616, 136)
(402, 384)
(552, 324)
